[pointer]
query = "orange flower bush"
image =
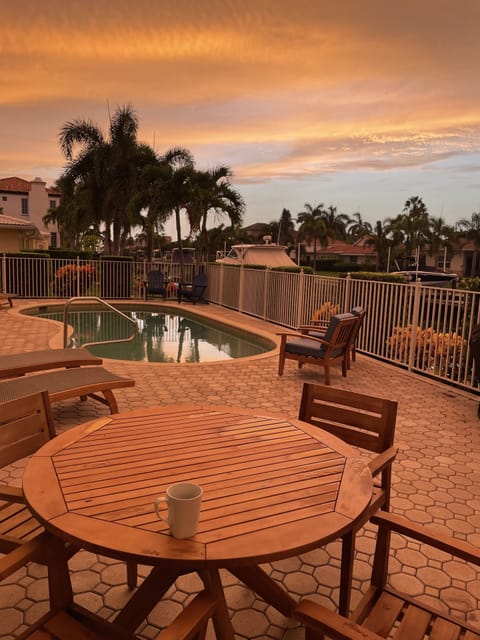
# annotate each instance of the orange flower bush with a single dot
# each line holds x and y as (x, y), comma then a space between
(67, 277)
(442, 353)
(326, 311)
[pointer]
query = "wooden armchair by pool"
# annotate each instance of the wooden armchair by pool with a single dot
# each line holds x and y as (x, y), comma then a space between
(317, 329)
(195, 290)
(18, 364)
(333, 347)
(385, 612)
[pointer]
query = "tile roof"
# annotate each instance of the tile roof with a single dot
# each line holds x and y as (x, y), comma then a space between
(8, 222)
(17, 185)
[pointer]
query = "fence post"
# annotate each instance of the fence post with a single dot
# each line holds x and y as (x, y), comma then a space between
(415, 314)
(241, 289)
(265, 290)
(4, 274)
(220, 288)
(346, 300)
(301, 295)
(79, 275)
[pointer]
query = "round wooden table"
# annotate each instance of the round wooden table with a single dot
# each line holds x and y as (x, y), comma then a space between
(272, 488)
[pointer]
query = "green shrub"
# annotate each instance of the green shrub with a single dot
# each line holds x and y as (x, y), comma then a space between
(469, 284)
(379, 277)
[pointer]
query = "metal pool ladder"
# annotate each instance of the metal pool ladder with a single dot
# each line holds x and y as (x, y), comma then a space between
(105, 304)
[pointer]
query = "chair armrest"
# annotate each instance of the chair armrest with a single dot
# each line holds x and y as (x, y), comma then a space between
(12, 494)
(285, 334)
(26, 552)
(316, 616)
(427, 535)
(381, 461)
(192, 619)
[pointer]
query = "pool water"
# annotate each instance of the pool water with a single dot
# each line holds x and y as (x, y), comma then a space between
(163, 335)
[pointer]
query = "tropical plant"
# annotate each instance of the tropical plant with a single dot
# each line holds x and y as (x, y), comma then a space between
(312, 227)
(104, 174)
(358, 228)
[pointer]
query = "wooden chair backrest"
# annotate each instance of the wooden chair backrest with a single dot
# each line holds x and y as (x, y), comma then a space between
(363, 421)
(360, 315)
(156, 279)
(25, 425)
(339, 331)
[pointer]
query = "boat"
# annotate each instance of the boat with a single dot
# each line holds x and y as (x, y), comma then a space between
(270, 255)
(429, 276)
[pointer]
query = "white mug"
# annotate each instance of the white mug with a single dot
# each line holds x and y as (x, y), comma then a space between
(183, 501)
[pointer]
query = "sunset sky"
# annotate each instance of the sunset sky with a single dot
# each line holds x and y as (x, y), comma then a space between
(355, 103)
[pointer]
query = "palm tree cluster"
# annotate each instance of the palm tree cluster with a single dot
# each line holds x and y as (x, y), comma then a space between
(115, 183)
(412, 231)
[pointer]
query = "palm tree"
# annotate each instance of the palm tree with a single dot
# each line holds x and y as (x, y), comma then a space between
(470, 229)
(211, 191)
(313, 227)
(441, 237)
(335, 222)
(357, 227)
(107, 169)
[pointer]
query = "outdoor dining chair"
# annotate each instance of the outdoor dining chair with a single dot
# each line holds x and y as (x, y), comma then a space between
(385, 612)
(26, 424)
(333, 347)
(366, 422)
(195, 290)
(67, 620)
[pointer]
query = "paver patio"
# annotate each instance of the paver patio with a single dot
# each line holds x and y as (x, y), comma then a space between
(436, 482)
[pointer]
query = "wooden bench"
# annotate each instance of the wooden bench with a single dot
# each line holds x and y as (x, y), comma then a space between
(18, 364)
(68, 383)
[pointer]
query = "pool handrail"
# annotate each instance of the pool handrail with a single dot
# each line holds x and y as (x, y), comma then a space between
(106, 304)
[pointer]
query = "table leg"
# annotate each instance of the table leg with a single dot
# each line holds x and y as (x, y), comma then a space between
(146, 597)
(59, 584)
(221, 618)
(261, 583)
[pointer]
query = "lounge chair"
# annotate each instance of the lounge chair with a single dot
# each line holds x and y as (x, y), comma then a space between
(365, 422)
(155, 284)
(68, 383)
(18, 364)
(333, 347)
(389, 612)
(195, 290)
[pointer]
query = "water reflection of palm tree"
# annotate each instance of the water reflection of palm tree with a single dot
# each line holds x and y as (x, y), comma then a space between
(197, 333)
(154, 329)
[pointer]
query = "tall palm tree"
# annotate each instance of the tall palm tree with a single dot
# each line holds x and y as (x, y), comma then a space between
(470, 229)
(335, 222)
(107, 168)
(312, 227)
(212, 192)
(441, 236)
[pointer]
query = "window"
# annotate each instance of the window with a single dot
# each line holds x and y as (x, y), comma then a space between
(53, 204)
(442, 263)
(24, 206)
(53, 240)
(4, 198)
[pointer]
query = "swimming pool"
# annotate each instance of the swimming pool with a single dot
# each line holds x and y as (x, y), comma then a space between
(164, 334)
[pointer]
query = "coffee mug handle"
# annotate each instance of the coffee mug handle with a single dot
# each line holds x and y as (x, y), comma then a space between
(157, 503)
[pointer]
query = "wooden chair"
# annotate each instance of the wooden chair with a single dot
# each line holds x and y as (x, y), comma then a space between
(69, 621)
(155, 284)
(383, 611)
(306, 349)
(195, 290)
(318, 328)
(26, 424)
(365, 422)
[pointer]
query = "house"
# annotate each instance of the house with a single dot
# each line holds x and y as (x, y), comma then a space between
(29, 201)
(16, 235)
(358, 252)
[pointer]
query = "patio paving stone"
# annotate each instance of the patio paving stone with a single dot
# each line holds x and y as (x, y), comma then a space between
(436, 480)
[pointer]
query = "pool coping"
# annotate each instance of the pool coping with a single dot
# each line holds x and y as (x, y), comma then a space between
(212, 311)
